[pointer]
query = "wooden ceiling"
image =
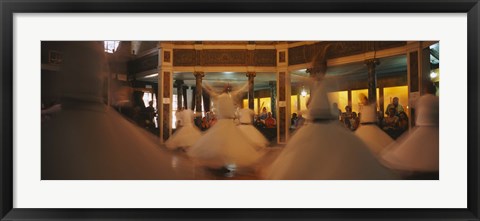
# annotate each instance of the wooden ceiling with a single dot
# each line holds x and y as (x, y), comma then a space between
(226, 42)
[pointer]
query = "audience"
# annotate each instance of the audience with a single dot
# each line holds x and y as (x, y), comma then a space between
(398, 107)
(270, 122)
(300, 120)
(390, 122)
(293, 121)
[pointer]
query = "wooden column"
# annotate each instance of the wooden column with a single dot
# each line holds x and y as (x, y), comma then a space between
(165, 90)
(425, 69)
(372, 80)
(349, 98)
(251, 76)
(165, 108)
(282, 108)
(382, 99)
(206, 101)
(282, 91)
(184, 91)
(273, 103)
(198, 93)
(414, 77)
(179, 86)
(299, 108)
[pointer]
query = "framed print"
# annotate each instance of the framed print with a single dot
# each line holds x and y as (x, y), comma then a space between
(239, 110)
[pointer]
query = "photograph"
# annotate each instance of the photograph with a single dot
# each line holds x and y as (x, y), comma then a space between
(240, 110)
(234, 110)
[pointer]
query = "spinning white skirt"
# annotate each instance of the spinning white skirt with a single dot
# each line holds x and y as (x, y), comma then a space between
(414, 151)
(326, 151)
(419, 149)
(88, 140)
(184, 137)
(375, 139)
(253, 135)
(368, 131)
(101, 144)
(224, 144)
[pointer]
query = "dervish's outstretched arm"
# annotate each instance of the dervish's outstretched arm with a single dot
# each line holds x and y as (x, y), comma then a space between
(237, 93)
(209, 90)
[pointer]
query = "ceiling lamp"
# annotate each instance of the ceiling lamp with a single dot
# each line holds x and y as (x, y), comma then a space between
(303, 92)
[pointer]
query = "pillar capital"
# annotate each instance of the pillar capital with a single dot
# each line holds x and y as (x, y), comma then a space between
(372, 62)
(199, 74)
(178, 83)
(251, 74)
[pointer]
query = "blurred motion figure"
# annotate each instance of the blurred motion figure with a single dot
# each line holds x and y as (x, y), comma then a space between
(89, 140)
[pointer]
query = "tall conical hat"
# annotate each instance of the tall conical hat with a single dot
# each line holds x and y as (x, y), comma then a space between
(83, 71)
(427, 110)
(319, 106)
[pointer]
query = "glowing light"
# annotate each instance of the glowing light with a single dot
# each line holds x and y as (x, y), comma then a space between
(151, 75)
(231, 167)
(303, 92)
(433, 75)
(111, 46)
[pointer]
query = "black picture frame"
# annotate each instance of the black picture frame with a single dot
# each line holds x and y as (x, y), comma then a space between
(9, 7)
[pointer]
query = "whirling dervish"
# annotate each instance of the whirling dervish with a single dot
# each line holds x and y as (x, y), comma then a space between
(369, 132)
(418, 151)
(253, 135)
(90, 140)
(323, 149)
(187, 134)
(224, 145)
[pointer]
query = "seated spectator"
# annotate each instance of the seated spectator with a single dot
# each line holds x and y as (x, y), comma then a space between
(300, 121)
(293, 121)
(263, 116)
(270, 122)
(402, 122)
(390, 123)
(257, 122)
(346, 116)
(398, 107)
(354, 121)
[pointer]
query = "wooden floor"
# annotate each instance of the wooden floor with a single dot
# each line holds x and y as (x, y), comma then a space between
(252, 173)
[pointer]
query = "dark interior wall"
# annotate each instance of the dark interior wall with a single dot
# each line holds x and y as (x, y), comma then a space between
(263, 93)
(49, 46)
(50, 87)
(147, 45)
(118, 61)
